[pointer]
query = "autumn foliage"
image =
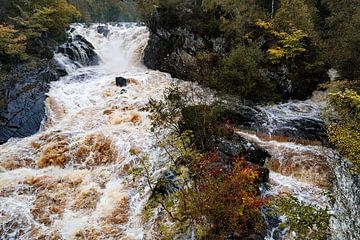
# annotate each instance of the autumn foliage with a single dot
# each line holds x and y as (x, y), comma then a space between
(12, 43)
(224, 201)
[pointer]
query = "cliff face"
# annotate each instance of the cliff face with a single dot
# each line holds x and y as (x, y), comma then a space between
(174, 49)
(23, 92)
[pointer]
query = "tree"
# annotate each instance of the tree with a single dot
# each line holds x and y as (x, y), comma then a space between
(238, 16)
(241, 74)
(12, 43)
(295, 14)
(343, 37)
(50, 17)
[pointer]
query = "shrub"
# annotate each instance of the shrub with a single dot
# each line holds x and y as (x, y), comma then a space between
(215, 198)
(49, 16)
(223, 202)
(205, 123)
(241, 74)
(12, 43)
(307, 221)
(344, 133)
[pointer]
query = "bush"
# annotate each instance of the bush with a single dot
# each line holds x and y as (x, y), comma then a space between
(223, 203)
(205, 123)
(307, 221)
(344, 133)
(241, 74)
(205, 193)
(49, 16)
(12, 43)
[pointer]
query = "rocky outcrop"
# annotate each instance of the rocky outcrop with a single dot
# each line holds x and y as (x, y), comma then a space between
(23, 92)
(239, 146)
(80, 50)
(277, 122)
(173, 49)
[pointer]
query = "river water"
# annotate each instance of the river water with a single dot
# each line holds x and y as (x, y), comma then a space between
(71, 181)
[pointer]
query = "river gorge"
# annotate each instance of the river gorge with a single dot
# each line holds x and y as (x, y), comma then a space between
(70, 180)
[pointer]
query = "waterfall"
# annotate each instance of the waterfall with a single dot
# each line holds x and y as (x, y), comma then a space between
(71, 180)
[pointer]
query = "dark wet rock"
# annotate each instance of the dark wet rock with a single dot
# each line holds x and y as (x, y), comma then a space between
(60, 69)
(104, 30)
(245, 116)
(173, 48)
(123, 91)
(263, 174)
(80, 50)
(275, 123)
(23, 92)
(307, 129)
(256, 154)
(166, 184)
(240, 146)
(121, 82)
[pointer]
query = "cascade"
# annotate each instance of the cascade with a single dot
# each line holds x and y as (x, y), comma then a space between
(71, 181)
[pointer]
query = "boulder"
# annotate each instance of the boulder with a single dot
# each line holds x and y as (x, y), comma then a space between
(104, 30)
(121, 82)
(240, 146)
(60, 68)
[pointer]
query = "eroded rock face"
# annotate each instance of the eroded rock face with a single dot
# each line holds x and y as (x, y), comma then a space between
(173, 49)
(80, 50)
(23, 92)
(291, 121)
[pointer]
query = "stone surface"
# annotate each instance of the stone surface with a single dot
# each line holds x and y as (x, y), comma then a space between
(23, 93)
(80, 50)
(104, 30)
(121, 82)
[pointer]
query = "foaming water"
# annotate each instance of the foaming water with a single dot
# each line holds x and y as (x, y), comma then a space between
(71, 179)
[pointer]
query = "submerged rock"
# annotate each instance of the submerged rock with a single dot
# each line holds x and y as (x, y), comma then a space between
(293, 120)
(104, 30)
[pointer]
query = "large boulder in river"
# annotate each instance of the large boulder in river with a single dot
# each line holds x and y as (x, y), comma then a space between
(121, 82)
(240, 146)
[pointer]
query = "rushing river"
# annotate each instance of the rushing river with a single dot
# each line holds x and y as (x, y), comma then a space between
(71, 181)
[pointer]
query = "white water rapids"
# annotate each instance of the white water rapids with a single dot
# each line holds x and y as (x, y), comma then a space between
(71, 181)
(91, 126)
